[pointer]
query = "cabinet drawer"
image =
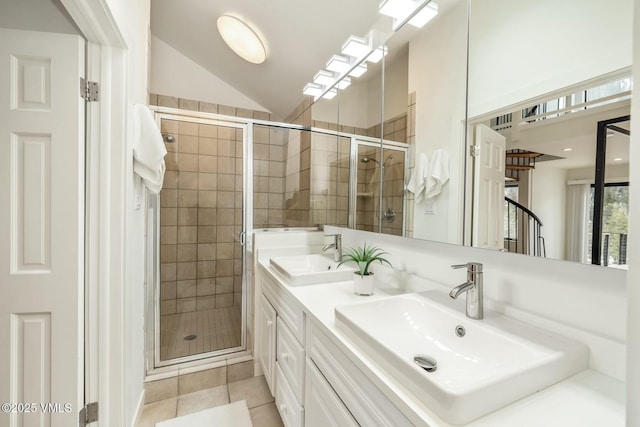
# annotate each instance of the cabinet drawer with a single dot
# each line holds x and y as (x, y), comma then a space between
(290, 357)
(368, 405)
(291, 411)
(288, 308)
(322, 407)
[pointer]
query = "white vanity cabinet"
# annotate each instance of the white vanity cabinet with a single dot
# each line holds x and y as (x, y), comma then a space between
(282, 354)
(267, 340)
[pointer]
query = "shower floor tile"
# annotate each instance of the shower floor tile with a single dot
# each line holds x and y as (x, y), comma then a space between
(214, 329)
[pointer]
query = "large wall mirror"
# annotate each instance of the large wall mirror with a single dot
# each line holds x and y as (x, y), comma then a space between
(499, 124)
(549, 103)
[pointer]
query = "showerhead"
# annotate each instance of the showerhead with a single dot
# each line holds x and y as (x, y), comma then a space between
(366, 159)
(168, 138)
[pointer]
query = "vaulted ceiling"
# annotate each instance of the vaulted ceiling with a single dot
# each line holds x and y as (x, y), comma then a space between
(300, 36)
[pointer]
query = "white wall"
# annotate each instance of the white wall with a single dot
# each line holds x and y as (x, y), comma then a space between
(437, 73)
(633, 283)
(520, 50)
(174, 74)
(548, 202)
(126, 361)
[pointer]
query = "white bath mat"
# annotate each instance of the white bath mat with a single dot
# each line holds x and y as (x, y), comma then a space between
(235, 414)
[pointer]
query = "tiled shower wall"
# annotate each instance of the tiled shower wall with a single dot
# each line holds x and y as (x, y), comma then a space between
(201, 218)
(330, 179)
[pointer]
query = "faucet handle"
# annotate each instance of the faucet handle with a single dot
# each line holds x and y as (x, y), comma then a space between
(471, 266)
(456, 266)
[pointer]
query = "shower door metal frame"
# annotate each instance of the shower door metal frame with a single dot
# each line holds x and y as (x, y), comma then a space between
(156, 365)
(356, 141)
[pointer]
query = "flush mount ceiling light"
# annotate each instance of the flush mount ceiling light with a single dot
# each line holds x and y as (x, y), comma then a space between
(242, 39)
(567, 149)
(401, 10)
(344, 83)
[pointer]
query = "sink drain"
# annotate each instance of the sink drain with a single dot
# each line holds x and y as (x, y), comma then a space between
(190, 337)
(460, 331)
(427, 363)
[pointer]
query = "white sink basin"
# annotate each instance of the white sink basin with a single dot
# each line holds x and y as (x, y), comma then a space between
(311, 269)
(498, 361)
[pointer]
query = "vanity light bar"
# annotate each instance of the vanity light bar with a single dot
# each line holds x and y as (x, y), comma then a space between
(356, 46)
(330, 94)
(324, 78)
(377, 54)
(401, 11)
(359, 70)
(338, 63)
(312, 89)
(344, 83)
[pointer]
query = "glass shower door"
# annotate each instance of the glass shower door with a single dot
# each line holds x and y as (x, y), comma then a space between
(200, 307)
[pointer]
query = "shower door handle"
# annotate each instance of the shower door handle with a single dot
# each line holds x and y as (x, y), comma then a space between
(243, 238)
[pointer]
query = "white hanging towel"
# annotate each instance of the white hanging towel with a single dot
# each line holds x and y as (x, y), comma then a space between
(417, 183)
(438, 173)
(148, 149)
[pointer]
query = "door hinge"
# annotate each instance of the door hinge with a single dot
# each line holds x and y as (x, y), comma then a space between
(89, 414)
(89, 91)
(474, 150)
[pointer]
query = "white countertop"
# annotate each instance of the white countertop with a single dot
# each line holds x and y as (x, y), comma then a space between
(589, 398)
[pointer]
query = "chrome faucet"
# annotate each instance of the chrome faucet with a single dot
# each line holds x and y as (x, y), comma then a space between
(337, 244)
(473, 288)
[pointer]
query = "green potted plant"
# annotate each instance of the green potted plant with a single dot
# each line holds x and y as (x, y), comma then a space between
(363, 257)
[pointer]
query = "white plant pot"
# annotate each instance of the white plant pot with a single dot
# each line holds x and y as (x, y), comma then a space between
(363, 285)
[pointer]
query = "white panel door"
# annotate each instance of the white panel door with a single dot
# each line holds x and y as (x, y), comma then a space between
(322, 407)
(488, 189)
(42, 223)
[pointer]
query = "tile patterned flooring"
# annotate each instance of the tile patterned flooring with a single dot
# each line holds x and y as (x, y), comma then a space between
(254, 390)
(215, 329)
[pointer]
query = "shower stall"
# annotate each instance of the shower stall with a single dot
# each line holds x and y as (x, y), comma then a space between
(227, 176)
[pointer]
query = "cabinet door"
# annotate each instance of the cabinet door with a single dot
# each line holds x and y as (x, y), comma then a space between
(267, 341)
(322, 407)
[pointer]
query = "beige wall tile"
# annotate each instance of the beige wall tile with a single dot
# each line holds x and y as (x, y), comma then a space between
(188, 104)
(168, 253)
(187, 216)
(208, 146)
(206, 216)
(186, 270)
(208, 164)
(185, 305)
(207, 234)
(207, 199)
(224, 251)
(168, 271)
(206, 251)
(168, 101)
(169, 198)
(224, 267)
(208, 131)
(187, 234)
(226, 165)
(207, 181)
(186, 288)
(168, 234)
(226, 182)
(206, 269)
(207, 107)
(187, 144)
(239, 371)
(206, 287)
(202, 380)
(226, 199)
(187, 128)
(167, 307)
(187, 163)
(186, 252)
(224, 300)
(167, 290)
(187, 198)
(205, 302)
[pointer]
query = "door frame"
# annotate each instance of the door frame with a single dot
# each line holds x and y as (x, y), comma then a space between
(105, 209)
